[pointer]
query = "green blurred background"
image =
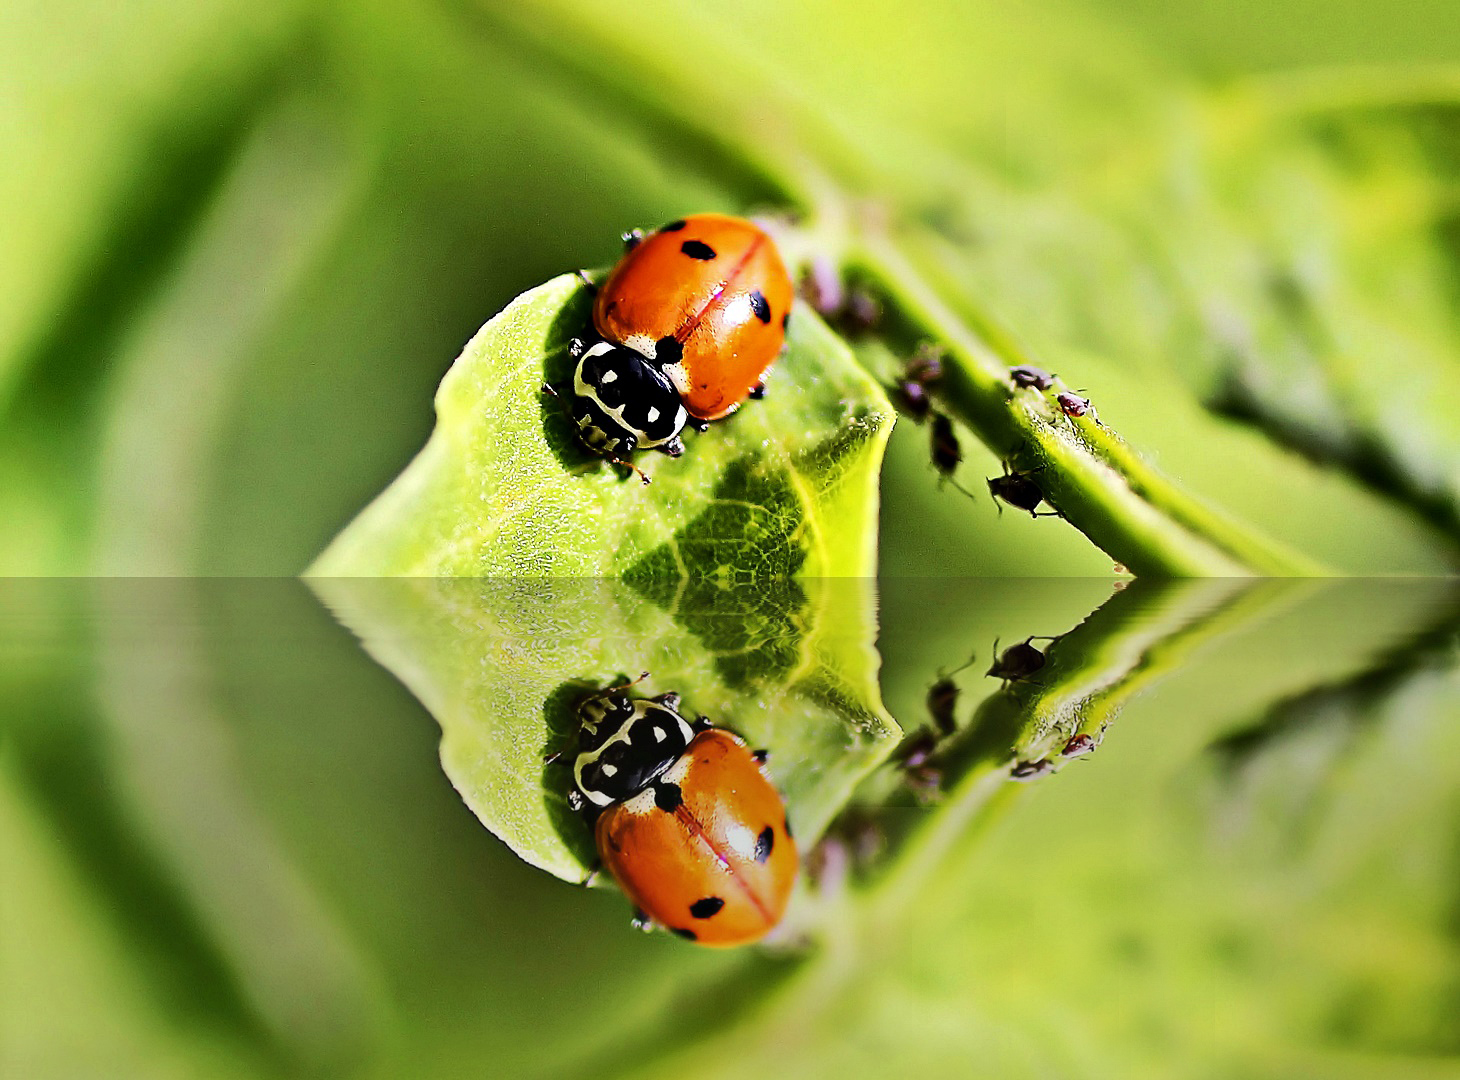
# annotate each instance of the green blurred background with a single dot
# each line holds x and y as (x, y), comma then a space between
(243, 241)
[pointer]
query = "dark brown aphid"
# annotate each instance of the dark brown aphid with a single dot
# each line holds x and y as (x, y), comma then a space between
(1025, 377)
(942, 701)
(1079, 745)
(1019, 491)
(1073, 405)
(915, 400)
(924, 369)
(1016, 662)
(1028, 770)
(946, 452)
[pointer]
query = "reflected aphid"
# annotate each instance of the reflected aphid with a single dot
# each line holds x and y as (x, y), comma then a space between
(1025, 377)
(1079, 745)
(1029, 770)
(1018, 661)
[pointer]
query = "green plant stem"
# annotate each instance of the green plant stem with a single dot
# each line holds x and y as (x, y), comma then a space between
(1130, 510)
(1121, 649)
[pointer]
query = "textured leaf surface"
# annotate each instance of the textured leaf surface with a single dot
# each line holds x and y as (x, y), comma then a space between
(501, 663)
(787, 486)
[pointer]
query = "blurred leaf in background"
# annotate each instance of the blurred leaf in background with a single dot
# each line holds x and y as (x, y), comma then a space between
(254, 238)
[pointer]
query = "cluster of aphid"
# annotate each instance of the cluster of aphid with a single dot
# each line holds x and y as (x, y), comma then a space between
(915, 392)
(1016, 664)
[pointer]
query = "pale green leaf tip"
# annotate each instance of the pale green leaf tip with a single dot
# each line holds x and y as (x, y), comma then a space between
(788, 486)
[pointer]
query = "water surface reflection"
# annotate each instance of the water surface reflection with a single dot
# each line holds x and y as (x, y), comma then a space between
(229, 841)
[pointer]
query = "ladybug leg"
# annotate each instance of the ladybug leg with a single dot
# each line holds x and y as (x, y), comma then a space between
(641, 921)
(577, 347)
(699, 425)
(669, 700)
(575, 800)
(701, 723)
(757, 392)
(587, 281)
(628, 465)
(632, 239)
(622, 686)
(761, 756)
(592, 875)
(674, 447)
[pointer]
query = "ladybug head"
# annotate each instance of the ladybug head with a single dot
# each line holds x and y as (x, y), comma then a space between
(602, 714)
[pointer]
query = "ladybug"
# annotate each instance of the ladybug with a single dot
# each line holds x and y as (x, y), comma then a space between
(688, 823)
(707, 300)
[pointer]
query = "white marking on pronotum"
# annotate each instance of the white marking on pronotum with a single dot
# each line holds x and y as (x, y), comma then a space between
(584, 390)
(610, 376)
(653, 412)
(610, 770)
(659, 734)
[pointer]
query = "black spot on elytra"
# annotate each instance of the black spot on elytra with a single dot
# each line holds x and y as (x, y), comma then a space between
(697, 249)
(688, 935)
(706, 907)
(764, 843)
(668, 350)
(673, 226)
(761, 306)
(668, 797)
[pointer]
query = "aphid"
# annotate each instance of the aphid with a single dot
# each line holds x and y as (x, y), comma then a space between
(946, 452)
(689, 824)
(1018, 661)
(924, 369)
(1019, 491)
(1025, 377)
(1079, 745)
(942, 702)
(1073, 405)
(1028, 770)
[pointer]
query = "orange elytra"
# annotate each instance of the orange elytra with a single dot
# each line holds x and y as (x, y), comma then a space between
(708, 299)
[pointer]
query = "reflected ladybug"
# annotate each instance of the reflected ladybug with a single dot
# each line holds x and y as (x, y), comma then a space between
(688, 823)
(707, 299)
